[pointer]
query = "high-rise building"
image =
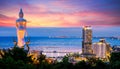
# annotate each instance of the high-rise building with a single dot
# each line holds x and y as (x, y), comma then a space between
(87, 40)
(101, 49)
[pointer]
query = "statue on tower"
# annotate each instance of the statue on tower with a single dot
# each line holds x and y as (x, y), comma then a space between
(21, 29)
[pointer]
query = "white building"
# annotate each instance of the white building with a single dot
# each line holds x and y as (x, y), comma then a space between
(101, 49)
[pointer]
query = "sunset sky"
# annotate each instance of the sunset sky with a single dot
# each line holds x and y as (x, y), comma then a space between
(61, 13)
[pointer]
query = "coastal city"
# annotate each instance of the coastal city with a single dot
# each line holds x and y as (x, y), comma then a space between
(64, 40)
(99, 50)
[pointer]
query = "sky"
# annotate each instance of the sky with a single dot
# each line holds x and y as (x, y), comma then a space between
(61, 13)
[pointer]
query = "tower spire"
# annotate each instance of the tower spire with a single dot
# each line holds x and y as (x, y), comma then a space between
(21, 14)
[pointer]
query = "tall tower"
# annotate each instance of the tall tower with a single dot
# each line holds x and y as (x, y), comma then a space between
(21, 29)
(87, 40)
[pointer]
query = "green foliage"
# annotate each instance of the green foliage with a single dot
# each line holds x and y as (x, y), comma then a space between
(41, 58)
(101, 65)
(44, 65)
(65, 59)
(115, 60)
(82, 65)
(116, 65)
(62, 65)
(115, 57)
(15, 59)
(10, 63)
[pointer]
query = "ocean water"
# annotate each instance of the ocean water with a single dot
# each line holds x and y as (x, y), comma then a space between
(7, 42)
(54, 47)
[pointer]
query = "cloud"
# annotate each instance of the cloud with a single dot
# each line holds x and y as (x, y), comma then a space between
(65, 13)
(74, 19)
(7, 21)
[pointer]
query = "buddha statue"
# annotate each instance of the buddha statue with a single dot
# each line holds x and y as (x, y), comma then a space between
(21, 29)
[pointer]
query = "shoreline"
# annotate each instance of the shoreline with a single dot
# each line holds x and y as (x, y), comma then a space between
(53, 51)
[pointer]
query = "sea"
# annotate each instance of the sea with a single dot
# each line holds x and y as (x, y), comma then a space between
(54, 44)
(7, 42)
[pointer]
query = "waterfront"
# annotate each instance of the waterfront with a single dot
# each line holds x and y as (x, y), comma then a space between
(35, 42)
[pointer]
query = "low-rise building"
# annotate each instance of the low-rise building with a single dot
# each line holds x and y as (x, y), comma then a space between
(101, 49)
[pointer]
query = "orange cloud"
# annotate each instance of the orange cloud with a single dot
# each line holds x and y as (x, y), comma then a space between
(46, 18)
(7, 21)
(62, 13)
(75, 19)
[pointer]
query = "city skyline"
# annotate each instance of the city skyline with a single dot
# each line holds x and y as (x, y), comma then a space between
(60, 34)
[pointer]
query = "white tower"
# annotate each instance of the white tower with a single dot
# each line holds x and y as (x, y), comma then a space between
(21, 29)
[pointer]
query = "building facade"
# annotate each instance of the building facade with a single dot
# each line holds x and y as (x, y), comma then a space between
(87, 40)
(101, 49)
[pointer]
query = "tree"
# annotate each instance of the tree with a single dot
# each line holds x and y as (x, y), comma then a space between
(115, 60)
(101, 65)
(15, 58)
(82, 65)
